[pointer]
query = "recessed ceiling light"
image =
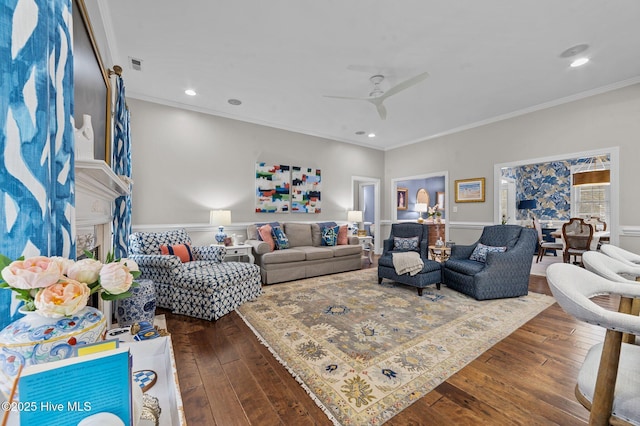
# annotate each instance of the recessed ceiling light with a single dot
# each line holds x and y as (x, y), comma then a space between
(190, 92)
(371, 135)
(579, 62)
(360, 132)
(235, 101)
(574, 50)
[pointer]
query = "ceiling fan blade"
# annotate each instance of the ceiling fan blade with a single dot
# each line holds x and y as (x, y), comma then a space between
(382, 111)
(405, 84)
(346, 97)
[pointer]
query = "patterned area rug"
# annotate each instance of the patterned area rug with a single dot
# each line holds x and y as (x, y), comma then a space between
(365, 351)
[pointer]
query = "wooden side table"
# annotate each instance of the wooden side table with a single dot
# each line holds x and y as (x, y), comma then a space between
(440, 254)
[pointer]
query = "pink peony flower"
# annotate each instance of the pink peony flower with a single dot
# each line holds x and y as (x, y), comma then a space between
(61, 299)
(85, 270)
(115, 278)
(131, 264)
(34, 272)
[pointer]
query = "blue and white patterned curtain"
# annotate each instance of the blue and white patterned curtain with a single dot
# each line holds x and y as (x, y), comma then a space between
(121, 166)
(37, 178)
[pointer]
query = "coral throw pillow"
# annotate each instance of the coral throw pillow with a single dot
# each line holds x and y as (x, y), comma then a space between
(183, 251)
(265, 234)
(343, 238)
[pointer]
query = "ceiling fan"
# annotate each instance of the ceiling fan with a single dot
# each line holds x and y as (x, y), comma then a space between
(377, 95)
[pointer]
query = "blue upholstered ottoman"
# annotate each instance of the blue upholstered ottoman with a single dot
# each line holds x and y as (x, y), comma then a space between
(141, 306)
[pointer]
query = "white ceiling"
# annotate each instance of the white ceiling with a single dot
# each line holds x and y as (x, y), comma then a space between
(486, 59)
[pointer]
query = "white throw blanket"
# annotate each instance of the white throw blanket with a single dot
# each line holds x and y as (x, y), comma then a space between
(407, 261)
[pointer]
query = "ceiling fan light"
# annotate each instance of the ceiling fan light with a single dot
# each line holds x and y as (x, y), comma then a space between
(579, 62)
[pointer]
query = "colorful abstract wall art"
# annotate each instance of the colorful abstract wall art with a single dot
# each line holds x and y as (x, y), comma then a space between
(273, 188)
(305, 190)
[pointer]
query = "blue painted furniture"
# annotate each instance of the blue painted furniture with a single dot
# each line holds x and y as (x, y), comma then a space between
(503, 274)
(430, 273)
(206, 287)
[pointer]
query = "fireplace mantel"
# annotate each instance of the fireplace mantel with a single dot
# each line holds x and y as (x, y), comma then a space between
(97, 186)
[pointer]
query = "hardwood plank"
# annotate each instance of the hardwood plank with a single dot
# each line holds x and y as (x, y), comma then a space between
(228, 377)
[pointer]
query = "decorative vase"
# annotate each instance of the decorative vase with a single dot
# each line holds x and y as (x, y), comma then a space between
(35, 339)
(140, 306)
(84, 139)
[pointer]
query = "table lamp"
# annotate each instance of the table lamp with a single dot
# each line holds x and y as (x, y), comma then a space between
(421, 208)
(527, 205)
(220, 218)
(354, 216)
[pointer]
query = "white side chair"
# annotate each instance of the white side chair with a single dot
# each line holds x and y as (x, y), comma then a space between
(621, 254)
(609, 379)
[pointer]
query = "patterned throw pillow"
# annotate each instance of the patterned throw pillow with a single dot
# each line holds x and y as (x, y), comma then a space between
(323, 226)
(271, 224)
(280, 239)
(183, 251)
(330, 235)
(406, 243)
(480, 252)
(343, 237)
(265, 235)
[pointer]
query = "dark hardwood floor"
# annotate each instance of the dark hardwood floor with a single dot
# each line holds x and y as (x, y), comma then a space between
(228, 378)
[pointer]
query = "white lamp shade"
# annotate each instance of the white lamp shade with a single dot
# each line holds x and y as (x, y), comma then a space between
(422, 207)
(220, 217)
(354, 216)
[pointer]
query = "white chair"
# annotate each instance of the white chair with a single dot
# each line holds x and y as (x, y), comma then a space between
(609, 379)
(621, 254)
(614, 270)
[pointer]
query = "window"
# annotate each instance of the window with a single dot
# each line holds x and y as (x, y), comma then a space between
(591, 200)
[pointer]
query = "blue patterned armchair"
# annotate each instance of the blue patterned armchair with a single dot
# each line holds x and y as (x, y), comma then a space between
(502, 273)
(205, 287)
(430, 273)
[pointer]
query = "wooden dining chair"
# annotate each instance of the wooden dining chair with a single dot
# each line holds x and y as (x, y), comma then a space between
(577, 235)
(608, 382)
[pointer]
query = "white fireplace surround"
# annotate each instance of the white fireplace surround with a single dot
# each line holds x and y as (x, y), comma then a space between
(97, 187)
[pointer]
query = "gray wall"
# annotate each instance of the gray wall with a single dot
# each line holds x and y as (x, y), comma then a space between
(611, 119)
(186, 163)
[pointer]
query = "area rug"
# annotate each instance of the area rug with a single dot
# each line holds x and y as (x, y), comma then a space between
(365, 351)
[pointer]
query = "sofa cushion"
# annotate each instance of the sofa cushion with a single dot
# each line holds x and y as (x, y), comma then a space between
(315, 253)
(480, 252)
(280, 238)
(283, 256)
(316, 235)
(330, 235)
(346, 250)
(265, 233)
(299, 234)
(464, 266)
(183, 251)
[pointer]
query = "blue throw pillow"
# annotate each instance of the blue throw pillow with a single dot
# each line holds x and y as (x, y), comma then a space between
(330, 235)
(279, 237)
(400, 243)
(323, 226)
(480, 252)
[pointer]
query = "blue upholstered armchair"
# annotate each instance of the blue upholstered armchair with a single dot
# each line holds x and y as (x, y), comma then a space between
(501, 270)
(430, 273)
(205, 287)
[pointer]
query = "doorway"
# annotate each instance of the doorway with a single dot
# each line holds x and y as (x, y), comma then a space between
(366, 198)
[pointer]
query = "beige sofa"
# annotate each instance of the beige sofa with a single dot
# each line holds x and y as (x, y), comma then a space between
(305, 257)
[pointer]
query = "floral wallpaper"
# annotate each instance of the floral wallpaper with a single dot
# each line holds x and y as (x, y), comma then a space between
(547, 183)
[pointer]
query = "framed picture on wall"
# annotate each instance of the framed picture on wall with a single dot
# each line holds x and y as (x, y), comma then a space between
(470, 190)
(402, 202)
(440, 200)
